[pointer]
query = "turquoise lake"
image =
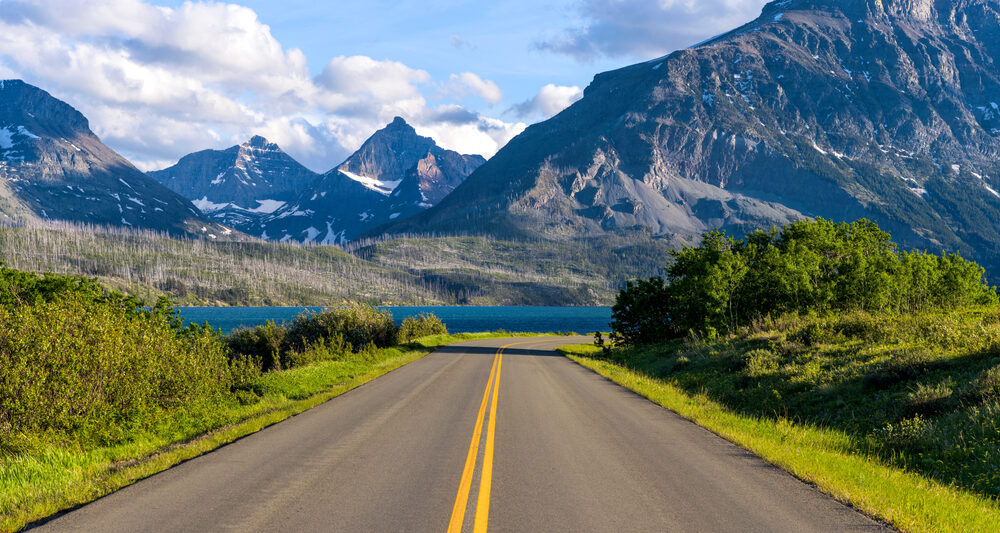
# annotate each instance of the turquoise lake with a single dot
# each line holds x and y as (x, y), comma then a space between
(583, 320)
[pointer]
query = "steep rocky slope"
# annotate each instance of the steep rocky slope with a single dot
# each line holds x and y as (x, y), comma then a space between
(240, 185)
(886, 109)
(395, 173)
(53, 168)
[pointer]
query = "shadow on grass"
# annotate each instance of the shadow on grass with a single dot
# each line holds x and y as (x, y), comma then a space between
(912, 410)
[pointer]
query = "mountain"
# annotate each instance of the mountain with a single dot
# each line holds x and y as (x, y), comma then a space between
(53, 168)
(885, 109)
(396, 173)
(240, 185)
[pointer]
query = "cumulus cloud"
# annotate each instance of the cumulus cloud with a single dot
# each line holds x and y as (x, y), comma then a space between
(550, 100)
(648, 28)
(484, 136)
(460, 85)
(158, 83)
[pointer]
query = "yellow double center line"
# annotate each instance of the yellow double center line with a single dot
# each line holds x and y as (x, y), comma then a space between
(486, 479)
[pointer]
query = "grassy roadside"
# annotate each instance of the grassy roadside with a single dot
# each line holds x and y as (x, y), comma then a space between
(820, 454)
(42, 482)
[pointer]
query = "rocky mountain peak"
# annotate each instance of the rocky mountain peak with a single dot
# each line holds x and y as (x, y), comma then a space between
(22, 104)
(239, 185)
(902, 10)
(394, 174)
(253, 149)
(398, 123)
(52, 167)
(882, 109)
(258, 141)
(388, 154)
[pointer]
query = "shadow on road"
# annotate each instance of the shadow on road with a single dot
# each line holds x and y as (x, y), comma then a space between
(476, 350)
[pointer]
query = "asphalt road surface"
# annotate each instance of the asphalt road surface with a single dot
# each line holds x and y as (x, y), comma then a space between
(433, 446)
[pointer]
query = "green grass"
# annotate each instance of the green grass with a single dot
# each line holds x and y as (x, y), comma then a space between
(49, 478)
(895, 415)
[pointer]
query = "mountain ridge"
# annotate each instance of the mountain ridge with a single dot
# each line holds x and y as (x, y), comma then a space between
(394, 174)
(54, 168)
(239, 185)
(873, 109)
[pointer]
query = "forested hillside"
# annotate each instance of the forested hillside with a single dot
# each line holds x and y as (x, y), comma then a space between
(400, 271)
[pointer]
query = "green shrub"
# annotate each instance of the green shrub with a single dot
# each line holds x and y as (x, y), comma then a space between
(422, 325)
(358, 325)
(908, 434)
(18, 288)
(641, 314)
(330, 349)
(759, 363)
(264, 344)
(330, 334)
(93, 369)
(987, 386)
(930, 398)
(812, 266)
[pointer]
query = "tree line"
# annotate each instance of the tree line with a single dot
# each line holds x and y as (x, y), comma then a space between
(809, 266)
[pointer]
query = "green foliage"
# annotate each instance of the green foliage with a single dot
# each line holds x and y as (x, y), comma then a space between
(349, 331)
(422, 325)
(18, 288)
(357, 325)
(93, 370)
(263, 344)
(919, 391)
(641, 314)
(813, 266)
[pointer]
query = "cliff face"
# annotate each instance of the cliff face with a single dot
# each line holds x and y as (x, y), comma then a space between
(886, 109)
(52, 167)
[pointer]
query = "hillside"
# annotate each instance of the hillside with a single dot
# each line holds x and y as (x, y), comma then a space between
(53, 168)
(400, 271)
(884, 109)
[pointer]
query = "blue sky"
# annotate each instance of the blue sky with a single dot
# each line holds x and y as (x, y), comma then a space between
(162, 78)
(495, 40)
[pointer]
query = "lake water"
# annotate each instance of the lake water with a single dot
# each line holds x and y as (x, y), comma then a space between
(582, 320)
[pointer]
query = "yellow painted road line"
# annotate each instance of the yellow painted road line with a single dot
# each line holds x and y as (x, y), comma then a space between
(462, 499)
(485, 481)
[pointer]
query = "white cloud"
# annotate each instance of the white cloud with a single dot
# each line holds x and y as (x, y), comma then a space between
(158, 83)
(466, 83)
(360, 76)
(648, 28)
(550, 100)
(483, 136)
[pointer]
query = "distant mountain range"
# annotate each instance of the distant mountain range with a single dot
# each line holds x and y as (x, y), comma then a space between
(53, 168)
(885, 109)
(238, 186)
(262, 191)
(396, 173)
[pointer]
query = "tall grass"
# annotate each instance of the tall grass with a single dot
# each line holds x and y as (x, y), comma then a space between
(913, 392)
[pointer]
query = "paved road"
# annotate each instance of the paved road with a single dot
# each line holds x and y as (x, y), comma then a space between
(567, 451)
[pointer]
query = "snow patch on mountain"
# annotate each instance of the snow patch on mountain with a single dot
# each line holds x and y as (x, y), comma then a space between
(384, 187)
(8, 133)
(267, 207)
(207, 206)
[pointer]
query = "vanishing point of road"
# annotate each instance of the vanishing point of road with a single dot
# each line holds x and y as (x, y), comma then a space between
(467, 439)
